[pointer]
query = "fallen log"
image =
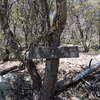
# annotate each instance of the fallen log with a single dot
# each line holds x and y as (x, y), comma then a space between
(63, 85)
(10, 69)
(5, 71)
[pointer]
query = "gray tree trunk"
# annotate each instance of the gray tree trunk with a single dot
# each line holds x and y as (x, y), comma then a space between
(51, 70)
(12, 45)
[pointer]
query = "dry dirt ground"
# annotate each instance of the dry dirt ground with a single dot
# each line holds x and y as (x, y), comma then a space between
(75, 64)
(87, 89)
(67, 64)
(78, 63)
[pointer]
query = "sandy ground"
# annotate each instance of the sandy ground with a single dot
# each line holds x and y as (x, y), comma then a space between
(78, 63)
(67, 64)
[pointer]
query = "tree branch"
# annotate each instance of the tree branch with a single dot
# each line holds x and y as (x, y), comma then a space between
(63, 85)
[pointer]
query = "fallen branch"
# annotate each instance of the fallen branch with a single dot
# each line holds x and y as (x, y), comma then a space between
(5, 71)
(63, 85)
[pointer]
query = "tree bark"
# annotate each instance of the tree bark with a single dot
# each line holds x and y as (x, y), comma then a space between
(12, 46)
(99, 28)
(36, 79)
(6, 55)
(51, 70)
(83, 40)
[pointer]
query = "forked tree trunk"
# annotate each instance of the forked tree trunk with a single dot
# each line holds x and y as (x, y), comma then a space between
(12, 45)
(51, 70)
(99, 27)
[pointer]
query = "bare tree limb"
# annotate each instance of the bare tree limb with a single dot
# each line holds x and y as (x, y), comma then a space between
(13, 46)
(84, 73)
(5, 71)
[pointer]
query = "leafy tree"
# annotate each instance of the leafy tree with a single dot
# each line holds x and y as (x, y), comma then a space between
(81, 21)
(45, 21)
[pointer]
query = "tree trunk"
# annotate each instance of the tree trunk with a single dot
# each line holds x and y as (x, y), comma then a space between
(12, 46)
(6, 56)
(50, 78)
(51, 70)
(83, 40)
(99, 28)
(36, 79)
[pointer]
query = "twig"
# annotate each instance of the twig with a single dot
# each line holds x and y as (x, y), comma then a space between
(90, 62)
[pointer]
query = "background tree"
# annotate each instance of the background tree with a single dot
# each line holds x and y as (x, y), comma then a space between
(13, 46)
(27, 23)
(44, 28)
(81, 24)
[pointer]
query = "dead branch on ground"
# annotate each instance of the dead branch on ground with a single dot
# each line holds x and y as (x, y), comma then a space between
(63, 85)
(10, 69)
